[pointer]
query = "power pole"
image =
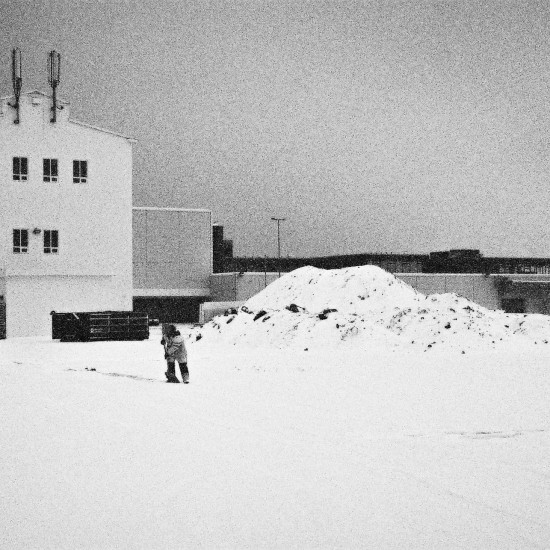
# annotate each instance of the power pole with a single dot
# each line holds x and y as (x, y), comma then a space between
(279, 220)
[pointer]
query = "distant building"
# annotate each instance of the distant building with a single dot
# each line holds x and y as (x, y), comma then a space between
(472, 261)
(407, 263)
(449, 261)
(454, 261)
(222, 250)
(65, 216)
(516, 285)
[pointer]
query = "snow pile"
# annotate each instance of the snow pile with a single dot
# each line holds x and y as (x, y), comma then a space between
(365, 306)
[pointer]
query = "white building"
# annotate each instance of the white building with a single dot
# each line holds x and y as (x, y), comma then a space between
(65, 215)
(172, 261)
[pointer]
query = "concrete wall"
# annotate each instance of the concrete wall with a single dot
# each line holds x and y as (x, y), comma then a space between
(229, 287)
(209, 310)
(536, 302)
(249, 286)
(476, 287)
(223, 287)
(172, 252)
(29, 300)
(532, 290)
(94, 219)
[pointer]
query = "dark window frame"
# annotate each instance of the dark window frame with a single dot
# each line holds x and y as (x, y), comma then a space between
(80, 171)
(51, 241)
(20, 241)
(50, 170)
(20, 169)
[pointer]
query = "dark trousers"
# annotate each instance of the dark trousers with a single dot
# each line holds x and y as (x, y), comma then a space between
(172, 368)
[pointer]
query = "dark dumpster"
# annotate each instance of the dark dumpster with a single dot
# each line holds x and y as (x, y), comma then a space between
(99, 325)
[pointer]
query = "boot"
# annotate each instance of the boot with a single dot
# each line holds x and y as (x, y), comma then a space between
(171, 374)
(184, 373)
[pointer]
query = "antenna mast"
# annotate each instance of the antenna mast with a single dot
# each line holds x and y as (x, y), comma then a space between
(54, 73)
(16, 79)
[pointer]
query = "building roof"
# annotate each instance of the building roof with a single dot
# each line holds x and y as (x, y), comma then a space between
(171, 209)
(72, 120)
(91, 126)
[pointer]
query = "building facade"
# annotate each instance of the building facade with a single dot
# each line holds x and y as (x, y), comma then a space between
(449, 261)
(65, 215)
(172, 262)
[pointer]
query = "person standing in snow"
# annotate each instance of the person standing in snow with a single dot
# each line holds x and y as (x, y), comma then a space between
(174, 350)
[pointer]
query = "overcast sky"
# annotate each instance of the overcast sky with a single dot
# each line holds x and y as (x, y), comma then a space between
(389, 126)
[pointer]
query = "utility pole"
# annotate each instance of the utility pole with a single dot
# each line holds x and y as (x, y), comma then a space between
(279, 220)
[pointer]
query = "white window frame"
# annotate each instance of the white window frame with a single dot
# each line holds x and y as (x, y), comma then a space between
(49, 247)
(17, 172)
(77, 172)
(47, 175)
(18, 247)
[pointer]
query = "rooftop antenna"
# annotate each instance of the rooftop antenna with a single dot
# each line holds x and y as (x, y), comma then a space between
(54, 73)
(16, 79)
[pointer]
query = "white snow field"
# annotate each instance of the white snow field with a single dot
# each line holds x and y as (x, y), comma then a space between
(344, 430)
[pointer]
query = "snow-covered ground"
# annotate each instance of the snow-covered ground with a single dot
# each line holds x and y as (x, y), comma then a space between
(373, 426)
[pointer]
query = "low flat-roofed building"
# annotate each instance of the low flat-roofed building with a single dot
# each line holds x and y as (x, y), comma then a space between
(172, 262)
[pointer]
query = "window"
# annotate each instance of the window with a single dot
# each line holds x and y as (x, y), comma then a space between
(20, 168)
(50, 170)
(20, 241)
(51, 241)
(80, 171)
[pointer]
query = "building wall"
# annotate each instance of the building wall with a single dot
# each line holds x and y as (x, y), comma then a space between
(170, 309)
(530, 292)
(228, 287)
(223, 287)
(29, 300)
(249, 286)
(94, 219)
(536, 302)
(172, 262)
(476, 287)
(209, 310)
(172, 252)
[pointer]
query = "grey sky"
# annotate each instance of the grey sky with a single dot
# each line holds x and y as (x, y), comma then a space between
(395, 126)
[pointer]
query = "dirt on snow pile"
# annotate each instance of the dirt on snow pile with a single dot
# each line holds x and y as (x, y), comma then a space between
(362, 306)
